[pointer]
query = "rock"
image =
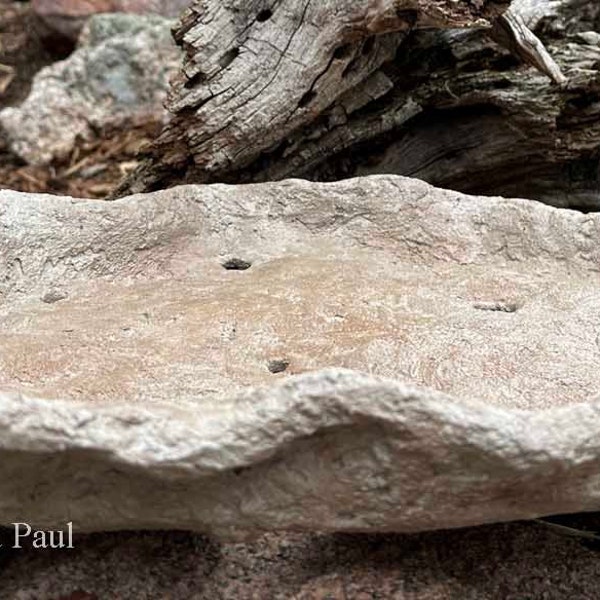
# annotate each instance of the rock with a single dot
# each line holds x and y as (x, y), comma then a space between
(144, 398)
(67, 17)
(119, 75)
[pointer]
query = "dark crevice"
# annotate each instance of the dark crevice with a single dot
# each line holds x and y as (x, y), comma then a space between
(195, 80)
(307, 98)
(342, 52)
(228, 57)
(583, 101)
(350, 67)
(506, 62)
(368, 46)
(408, 16)
(584, 527)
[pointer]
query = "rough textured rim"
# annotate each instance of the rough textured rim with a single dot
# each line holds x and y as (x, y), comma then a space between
(276, 458)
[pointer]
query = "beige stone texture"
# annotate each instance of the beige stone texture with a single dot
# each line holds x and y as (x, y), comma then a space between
(379, 356)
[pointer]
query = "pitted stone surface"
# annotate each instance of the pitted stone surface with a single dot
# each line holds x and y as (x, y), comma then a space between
(439, 358)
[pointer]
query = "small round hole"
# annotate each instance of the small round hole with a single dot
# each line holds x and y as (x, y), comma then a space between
(278, 366)
(264, 15)
(236, 264)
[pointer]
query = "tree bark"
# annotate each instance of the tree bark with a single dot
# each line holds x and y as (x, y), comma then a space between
(435, 89)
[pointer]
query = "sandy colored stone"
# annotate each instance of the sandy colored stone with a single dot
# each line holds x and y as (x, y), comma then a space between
(198, 291)
(441, 348)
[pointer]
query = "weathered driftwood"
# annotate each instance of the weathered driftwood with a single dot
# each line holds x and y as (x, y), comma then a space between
(325, 90)
(256, 72)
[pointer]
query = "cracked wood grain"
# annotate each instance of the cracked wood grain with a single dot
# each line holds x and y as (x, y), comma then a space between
(256, 71)
(511, 31)
(320, 90)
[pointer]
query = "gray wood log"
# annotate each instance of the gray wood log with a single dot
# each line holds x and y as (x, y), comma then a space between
(325, 90)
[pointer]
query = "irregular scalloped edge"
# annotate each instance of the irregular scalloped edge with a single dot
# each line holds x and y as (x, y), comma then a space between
(333, 450)
(47, 239)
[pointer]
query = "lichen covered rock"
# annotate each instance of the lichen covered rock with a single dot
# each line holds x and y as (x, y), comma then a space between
(67, 17)
(118, 76)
